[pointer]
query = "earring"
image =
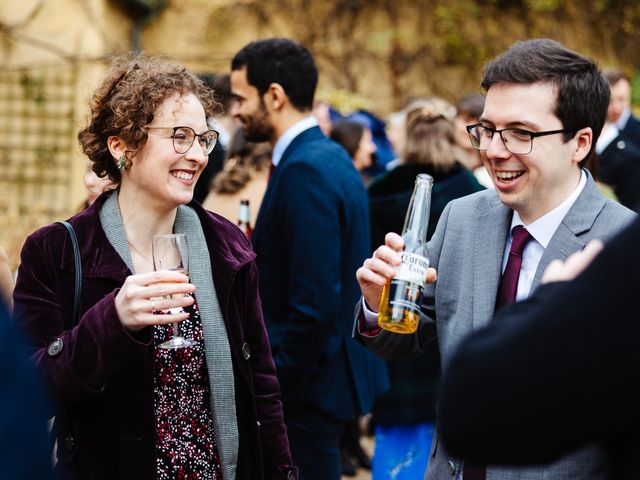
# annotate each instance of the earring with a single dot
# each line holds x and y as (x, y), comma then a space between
(122, 164)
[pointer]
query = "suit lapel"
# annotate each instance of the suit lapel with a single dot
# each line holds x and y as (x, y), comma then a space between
(578, 220)
(310, 134)
(491, 234)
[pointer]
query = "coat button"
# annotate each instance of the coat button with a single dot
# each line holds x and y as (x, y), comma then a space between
(246, 351)
(258, 424)
(55, 347)
(621, 145)
(452, 467)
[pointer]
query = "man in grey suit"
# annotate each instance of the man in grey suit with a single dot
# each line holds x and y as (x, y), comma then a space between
(545, 107)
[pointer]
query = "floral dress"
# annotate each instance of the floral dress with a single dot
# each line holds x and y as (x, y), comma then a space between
(185, 440)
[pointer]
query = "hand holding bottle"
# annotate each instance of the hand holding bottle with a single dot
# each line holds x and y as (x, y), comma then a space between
(381, 267)
(401, 296)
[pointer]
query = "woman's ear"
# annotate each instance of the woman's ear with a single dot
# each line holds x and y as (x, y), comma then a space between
(116, 147)
(118, 151)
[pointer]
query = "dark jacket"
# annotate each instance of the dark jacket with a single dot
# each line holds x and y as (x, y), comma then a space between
(25, 452)
(411, 398)
(311, 236)
(555, 372)
(389, 196)
(619, 166)
(104, 375)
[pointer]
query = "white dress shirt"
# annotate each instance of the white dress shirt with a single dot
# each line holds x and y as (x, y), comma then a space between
(542, 230)
(608, 135)
(289, 135)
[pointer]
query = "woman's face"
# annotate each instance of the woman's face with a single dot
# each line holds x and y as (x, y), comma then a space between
(363, 157)
(158, 174)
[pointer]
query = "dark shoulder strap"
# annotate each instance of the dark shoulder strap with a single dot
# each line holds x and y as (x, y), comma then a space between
(78, 272)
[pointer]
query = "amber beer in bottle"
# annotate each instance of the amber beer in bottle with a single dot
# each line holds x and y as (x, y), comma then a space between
(244, 218)
(401, 296)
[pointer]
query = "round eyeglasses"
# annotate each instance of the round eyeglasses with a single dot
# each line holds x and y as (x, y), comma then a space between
(516, 140)
(183, 138)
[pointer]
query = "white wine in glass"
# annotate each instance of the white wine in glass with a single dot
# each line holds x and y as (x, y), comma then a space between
(170, 252)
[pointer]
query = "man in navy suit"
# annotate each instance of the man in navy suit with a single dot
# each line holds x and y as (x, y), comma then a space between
(311, 235)
(618, 147)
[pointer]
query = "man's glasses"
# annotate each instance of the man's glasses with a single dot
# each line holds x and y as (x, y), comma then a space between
(183, 138)
(516, 140)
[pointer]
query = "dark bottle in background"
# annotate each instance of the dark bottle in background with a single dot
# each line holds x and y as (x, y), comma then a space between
(244, 218)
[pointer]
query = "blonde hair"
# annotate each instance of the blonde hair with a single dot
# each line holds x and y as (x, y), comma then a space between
(430, 138)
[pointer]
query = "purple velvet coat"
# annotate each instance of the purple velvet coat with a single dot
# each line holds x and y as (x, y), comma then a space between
(104, 374)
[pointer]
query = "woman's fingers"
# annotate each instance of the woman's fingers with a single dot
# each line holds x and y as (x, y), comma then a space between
(162, 305)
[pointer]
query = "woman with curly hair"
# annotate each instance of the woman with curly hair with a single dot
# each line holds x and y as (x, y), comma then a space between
(126, 408)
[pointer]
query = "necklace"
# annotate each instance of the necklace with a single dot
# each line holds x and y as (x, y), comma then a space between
(138, 251)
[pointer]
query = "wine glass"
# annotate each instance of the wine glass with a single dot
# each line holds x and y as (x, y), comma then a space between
(170, 252)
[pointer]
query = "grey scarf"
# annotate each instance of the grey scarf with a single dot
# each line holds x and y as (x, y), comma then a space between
(216, 341)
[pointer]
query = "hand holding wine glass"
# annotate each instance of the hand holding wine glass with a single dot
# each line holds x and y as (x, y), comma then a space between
(170, 252)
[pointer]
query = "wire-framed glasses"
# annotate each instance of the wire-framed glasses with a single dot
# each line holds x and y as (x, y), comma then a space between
(516, 140)
(183, 138)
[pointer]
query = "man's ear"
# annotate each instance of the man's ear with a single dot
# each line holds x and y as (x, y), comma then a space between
(584, 140)
(275, 98)
(116, 147)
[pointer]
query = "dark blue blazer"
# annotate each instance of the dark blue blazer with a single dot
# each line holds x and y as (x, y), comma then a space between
(619, 166)
(25, 452)
(311, 235)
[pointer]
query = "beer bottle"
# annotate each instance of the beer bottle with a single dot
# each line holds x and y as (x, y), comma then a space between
(402, 295)
(244, 218)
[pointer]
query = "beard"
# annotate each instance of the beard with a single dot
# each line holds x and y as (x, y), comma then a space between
(257, 127)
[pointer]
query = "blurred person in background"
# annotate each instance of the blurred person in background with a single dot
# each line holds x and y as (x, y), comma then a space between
(125, 407)
(311, 234)
(357, 140)
(222, 123)
(95, 185)
(404, 416)
(618, 148)
(429, 147)
(322, 112)
(6, 280)
(245, 176)
(468, 111)
(25, 452)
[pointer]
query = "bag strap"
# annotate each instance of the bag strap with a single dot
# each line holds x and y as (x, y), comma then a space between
(62, 424)
(78, 272)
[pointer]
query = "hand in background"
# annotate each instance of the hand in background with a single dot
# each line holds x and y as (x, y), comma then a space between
(558, 270)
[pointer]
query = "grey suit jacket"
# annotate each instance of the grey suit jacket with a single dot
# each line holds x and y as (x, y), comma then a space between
(467, 250)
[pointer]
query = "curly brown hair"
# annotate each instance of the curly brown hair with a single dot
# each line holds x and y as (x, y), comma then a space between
(242, 155)
(127, 99)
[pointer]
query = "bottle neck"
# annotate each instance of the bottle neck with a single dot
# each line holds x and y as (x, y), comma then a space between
(417, 219)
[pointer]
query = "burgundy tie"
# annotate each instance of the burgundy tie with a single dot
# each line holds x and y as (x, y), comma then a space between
(506, 295)
(509, 282)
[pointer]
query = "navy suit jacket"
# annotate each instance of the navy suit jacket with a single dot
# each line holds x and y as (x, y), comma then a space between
(619, 165)
(311, 235)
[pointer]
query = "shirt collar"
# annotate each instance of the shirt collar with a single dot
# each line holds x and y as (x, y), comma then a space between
(287, 137)
(543, 228)
(624, 118)
(609, 134)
